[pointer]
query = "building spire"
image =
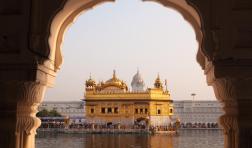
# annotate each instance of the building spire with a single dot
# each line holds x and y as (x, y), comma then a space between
(166, 85)
(158, 83)
(90, 76)
(114, 74)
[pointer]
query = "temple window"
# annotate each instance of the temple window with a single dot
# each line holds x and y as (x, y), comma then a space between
(171, 110)
(141, 111)
(136, 111)
(146, 110)
(109, 110)
(116, 110)
(159, 111)
(103, 110)
(92, 110)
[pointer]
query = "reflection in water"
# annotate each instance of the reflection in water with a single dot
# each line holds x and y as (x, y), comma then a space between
(186, 139)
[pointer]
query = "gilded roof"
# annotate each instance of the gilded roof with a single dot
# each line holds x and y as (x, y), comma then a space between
(113, 82)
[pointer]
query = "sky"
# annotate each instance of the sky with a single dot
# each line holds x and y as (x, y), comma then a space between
(128, 35)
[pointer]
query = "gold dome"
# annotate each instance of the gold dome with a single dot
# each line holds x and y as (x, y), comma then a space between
(158, 83)
(114, 81)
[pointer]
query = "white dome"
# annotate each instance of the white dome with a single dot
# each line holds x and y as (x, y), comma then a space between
(137, 82)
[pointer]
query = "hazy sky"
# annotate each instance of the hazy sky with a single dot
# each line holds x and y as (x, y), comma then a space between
(124, 36)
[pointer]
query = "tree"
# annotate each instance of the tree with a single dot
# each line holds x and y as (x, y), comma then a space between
(54, 113)
(43, 113)
(46, 113)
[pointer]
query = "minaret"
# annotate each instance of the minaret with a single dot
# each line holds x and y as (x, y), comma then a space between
(90, 83)
(158, 83)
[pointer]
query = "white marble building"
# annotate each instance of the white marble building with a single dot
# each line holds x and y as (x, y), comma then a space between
(72, 109)
(189, 111)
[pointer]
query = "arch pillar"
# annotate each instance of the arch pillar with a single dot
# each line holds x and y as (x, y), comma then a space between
(18, 109)
(233, 90)
(229, 122)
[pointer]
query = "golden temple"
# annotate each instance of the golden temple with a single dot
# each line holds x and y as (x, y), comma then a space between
(112, 102)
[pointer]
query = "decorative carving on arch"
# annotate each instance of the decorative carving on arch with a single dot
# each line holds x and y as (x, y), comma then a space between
(231, 130)
(73, 8)
(40, 23)
(65, 17)
(224, 89)
(20, 104)
(30, 95)
(191, 15)
(230, 88)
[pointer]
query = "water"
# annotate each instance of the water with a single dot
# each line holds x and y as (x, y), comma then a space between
(186, 139)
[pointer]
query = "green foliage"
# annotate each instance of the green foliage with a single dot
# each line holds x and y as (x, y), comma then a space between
(43, 113)
(54, 113)
(46, 113)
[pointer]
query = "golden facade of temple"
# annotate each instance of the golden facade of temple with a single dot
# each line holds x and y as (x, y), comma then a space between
(112, 102)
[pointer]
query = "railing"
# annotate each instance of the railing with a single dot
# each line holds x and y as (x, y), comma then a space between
(82, 130)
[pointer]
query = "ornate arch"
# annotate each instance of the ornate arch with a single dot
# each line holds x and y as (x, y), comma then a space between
(74, 8)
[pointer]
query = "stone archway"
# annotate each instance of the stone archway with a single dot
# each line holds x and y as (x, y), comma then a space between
(223, 87)
(30, 57)
(74, 8)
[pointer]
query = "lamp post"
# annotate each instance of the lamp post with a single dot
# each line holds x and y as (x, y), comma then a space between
(193, 95)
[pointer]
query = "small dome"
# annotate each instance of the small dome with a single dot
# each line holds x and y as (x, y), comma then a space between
(114, 81)
(90, 82)
(137, 82)
(158, 83)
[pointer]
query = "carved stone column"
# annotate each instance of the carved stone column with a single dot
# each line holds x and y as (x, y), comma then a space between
(19, 102)
(236, 97)
(230, 124)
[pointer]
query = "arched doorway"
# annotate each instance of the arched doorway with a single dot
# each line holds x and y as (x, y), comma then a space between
(73, 8)
(227, 71)
(142, 122)
(58, 26)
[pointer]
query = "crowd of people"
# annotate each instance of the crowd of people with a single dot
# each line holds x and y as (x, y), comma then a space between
(199, 125)
(62, 123)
